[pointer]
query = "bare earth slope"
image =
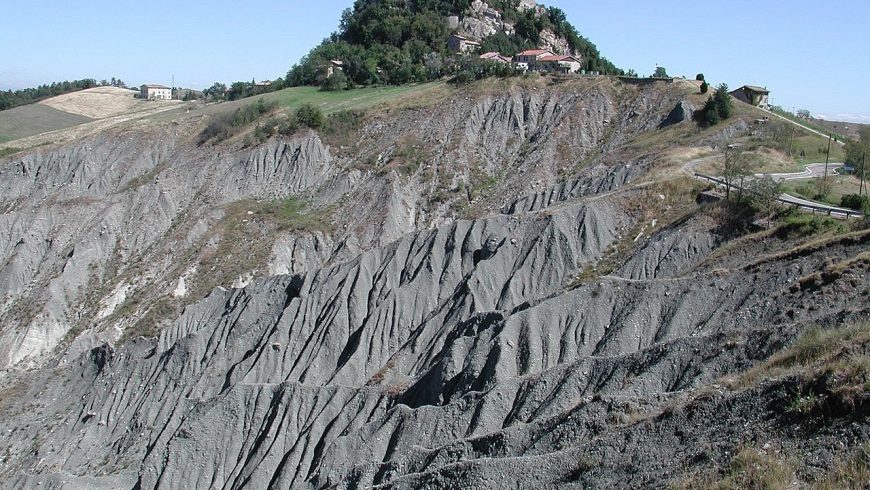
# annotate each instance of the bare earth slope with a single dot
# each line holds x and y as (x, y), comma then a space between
(489, 292)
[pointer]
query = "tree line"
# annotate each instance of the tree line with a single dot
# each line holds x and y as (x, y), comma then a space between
(10, 98)
(241, 90)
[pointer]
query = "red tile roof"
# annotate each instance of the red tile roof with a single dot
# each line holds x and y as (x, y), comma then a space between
(559, 57)
(533, 52)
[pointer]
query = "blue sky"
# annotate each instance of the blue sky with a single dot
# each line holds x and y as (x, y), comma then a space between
(812, 55)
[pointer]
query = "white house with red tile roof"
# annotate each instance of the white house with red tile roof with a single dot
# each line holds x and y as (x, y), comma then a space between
(560, 63)
(532, 55)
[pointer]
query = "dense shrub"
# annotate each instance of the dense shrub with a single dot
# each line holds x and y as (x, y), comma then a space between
(223, 126)
(797, 223)
(310, 116)
(856, 201)
(475, 69)
(337, 81)
(241, 90)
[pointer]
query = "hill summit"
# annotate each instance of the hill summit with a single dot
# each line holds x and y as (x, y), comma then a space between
(399, 41)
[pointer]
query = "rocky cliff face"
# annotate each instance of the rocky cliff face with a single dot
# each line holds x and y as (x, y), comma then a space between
(436, 318)
(482, 20)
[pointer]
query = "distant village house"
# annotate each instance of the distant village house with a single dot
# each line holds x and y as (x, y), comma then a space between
(531, 56)
(544, 60)
(757, 96)
(334, 66)
(559, 64)
(494, 56)
(155, 92)
(461, 44)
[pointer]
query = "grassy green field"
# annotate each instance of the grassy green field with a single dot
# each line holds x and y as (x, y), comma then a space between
(328, 102)
(813, 147)
(840, 185)
(28, 120)
(352, 99)
(809, 124)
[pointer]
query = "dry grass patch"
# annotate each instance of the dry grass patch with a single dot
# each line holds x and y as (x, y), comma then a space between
(654, 206)
(832, 365)
(758, 469)
(852, 473)
(854, 238)
(749, 469)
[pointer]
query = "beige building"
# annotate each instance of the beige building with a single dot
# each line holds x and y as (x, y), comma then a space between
(155, 92)
(757, 96)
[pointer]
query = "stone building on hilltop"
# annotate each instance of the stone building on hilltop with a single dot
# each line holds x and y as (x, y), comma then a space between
(757, 96)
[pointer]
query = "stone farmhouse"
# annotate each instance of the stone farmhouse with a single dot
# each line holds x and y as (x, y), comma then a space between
(461, 44)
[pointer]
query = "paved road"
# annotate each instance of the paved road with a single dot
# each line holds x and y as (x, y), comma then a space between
(812, 170)
(832, 210)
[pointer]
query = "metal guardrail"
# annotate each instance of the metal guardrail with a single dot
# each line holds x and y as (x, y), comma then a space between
(829, 210)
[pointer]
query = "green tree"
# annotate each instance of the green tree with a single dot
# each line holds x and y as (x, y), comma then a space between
(699, 77)
(660, 72)
(217, 91)
(857, 149)
(708, 115)
(735, 169)
(717, 108)
(705, 87)
(764, 195)
(337, 81)
(722, 99)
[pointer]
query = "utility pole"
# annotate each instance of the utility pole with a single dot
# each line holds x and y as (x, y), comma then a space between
(827, 157)
(863, 159)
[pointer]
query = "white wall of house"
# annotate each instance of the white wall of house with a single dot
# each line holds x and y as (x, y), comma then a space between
(530, 59)
(155, 93)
